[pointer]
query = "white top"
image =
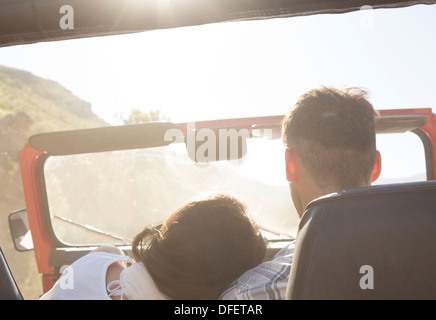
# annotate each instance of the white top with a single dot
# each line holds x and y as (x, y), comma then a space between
(85, 279)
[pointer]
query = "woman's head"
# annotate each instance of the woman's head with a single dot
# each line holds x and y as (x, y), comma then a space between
(201, 248)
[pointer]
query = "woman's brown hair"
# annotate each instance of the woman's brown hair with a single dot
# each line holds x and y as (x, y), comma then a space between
(201, 248)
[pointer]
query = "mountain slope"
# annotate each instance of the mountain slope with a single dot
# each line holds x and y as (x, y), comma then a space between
(50, 106)
(29, 105)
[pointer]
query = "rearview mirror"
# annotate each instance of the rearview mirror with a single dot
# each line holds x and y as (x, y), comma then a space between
(20, 230)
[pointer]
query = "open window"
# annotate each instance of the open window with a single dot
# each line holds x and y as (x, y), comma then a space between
(108, 192)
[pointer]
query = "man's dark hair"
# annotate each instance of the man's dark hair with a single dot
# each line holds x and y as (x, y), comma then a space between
(333, 132)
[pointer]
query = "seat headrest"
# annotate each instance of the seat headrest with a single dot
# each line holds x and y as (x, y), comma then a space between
(377, 242)
(8, 287)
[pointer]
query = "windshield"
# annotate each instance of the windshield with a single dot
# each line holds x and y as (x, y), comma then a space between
(121, 192)
(108, 197)
(215, 71)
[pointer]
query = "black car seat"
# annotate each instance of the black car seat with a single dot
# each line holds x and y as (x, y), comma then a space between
(376, 242)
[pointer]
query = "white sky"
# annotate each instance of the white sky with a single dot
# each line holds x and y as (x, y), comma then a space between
(236, 69)
(247, 68)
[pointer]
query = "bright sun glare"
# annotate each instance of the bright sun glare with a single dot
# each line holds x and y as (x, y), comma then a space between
(240, 69)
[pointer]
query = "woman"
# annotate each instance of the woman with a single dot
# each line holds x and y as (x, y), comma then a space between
(195, 254)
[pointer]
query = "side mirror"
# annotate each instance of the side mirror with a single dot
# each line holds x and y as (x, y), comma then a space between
(20, 230)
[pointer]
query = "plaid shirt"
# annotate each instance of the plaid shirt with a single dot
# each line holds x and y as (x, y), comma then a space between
(267, 281)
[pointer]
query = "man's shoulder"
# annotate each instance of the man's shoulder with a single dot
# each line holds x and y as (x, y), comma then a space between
(265, 281)
(276, 266)
(286, 253)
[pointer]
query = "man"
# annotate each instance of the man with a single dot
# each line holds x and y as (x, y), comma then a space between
(330, 146)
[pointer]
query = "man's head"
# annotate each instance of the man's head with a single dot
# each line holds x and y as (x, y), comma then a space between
(330, 140)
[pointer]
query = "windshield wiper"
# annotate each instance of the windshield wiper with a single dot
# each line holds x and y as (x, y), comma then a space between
(94, 229)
